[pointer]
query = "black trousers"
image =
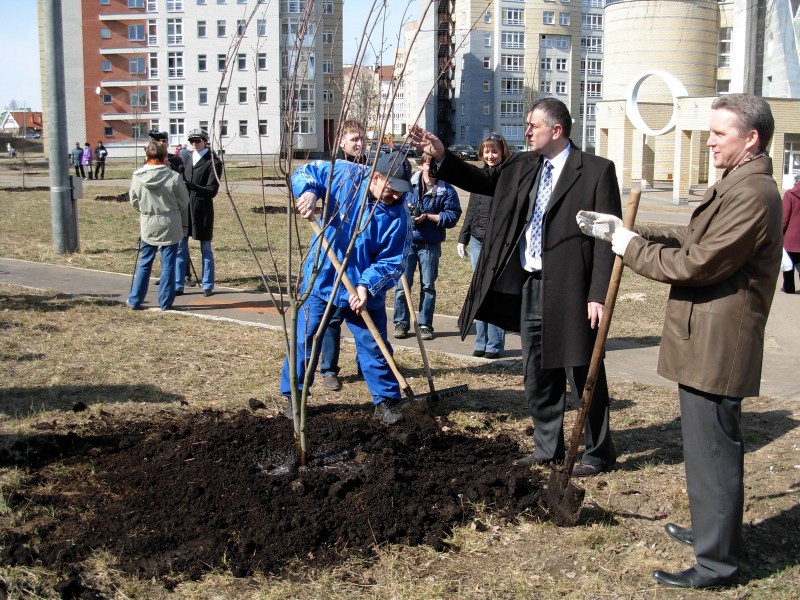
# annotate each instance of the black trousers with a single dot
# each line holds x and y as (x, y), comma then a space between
(545, 391)
(100, 170)
(714, 460)
(788, 276)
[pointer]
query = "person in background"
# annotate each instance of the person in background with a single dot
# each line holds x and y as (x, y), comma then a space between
(161, 198)
(791, 233)
(382, 238)
(77, 160)
(86, 159)
(100, 154)
(351, 149)
(201, 171)
(489, 339)
(434, 207)
(722, 269)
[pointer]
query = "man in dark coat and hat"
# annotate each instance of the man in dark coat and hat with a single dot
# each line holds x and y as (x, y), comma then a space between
(201, 172)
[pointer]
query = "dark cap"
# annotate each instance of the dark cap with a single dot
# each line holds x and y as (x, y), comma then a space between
(198, 133)
(159, 136)
(397, 169)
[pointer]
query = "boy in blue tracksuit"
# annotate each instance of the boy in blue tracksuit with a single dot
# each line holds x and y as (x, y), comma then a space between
(383, 236)
(435, 208)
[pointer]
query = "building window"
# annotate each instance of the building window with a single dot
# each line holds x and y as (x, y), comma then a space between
(105, 66)
(223, 128)
(202, 63)
(221, 28)
(154, 103)
(590, 135)
(327, 67)
(153, 65)
(242, 95)
(595, 89)
(463, 109)
(327, 96)
(487, 40)
(261, 27)
(487, 85)
(262, 61)
(174, 5)
(546, 41)
(510, 85)
(136, 66)
(327, 37)
(512, 39)
(202, 96)
(327, 8)
(563, 18)
(243, 128)
(592, 43)
(201, 2)
(138, 97)
(723, 86)
(592, 22)
(487, 62)
(487, 108)
(138, 130)
(108, 132)
(241, 62)
(174, 32)
(222, 95)
(561, 64)
(152, 32)
(201, 29)
(292, 6)
(262, 94)
(595, 66)
(487, 17)
(548, 17)
(107, 98)
(590, 111)
(105, 2)
(513, 16)
(463, 85)
(511, 108)
(136, 33)
(135, 3)
(562, 41)
(594, 3)
(546, 64)
(203, 125)
(175, 65)
(220, 62)
(262, 127)
(544, 87)
(724, 47)
(561, 87)
(305, 124)
(176, 103)
(241, 27)
(105, 33)
(512, 132)
(177, 129)
(512, 62)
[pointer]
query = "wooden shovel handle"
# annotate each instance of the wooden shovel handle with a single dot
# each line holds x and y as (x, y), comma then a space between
(415, 324)
(373, 329)
(600, 341)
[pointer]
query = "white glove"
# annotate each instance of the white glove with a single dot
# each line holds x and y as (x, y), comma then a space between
(621, 239)
(598, 225)
(462, 251)
(305, 204)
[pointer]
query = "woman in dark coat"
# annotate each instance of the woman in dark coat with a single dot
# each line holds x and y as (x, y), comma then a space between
(489, 339)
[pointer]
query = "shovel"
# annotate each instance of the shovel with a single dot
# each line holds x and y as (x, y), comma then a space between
(563, 497)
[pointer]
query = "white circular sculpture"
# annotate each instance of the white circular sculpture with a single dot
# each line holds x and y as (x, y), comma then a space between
(676, 90)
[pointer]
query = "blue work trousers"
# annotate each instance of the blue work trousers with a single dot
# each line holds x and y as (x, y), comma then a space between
(377, 373)
(182, 266)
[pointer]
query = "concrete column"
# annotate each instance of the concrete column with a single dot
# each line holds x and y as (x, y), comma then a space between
(637, 150)
(694, 159)
(648, 162)
(680, 179)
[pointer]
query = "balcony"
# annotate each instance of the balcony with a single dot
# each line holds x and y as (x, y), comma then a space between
(112, 51)
(124, 17)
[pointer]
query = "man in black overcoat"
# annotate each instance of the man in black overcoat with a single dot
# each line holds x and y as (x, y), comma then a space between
(539, 275)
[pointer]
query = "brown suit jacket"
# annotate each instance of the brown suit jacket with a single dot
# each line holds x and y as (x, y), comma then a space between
(575, 268)
(723, 268)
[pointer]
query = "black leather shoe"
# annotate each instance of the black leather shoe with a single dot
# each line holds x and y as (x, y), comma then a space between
(690, 578)
(389, 412)
(582, 470)
(478, 353)
(682, 534)
(531, 461)
(492, 355)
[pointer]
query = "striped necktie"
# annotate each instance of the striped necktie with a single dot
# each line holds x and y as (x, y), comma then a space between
(542, 198)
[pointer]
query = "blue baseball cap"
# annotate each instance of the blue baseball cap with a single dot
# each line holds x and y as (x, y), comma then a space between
(397, 169)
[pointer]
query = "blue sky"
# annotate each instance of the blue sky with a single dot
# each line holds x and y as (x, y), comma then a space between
(19, 43)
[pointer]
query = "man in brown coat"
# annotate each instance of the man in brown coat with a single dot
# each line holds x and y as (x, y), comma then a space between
(538, 275)
(723, 269)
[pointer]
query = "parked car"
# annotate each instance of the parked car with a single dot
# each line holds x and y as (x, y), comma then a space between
(519, 148)
(33, 136)
(464, 151)
(385, 149)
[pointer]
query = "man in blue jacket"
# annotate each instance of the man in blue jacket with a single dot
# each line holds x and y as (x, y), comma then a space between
(435, 208)
(365, 205)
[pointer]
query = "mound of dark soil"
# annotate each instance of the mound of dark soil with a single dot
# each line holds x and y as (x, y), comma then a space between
(214, 490)
(34, 188)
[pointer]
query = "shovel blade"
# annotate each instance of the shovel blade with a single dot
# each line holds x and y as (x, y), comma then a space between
(564, 499)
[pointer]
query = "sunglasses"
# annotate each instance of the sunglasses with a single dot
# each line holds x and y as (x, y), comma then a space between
(494, 136)
(195, 140)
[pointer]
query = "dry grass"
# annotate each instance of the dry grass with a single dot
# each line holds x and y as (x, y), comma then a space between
(59, 350)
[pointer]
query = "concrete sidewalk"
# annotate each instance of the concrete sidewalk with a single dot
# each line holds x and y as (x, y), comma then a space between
(625, 360)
